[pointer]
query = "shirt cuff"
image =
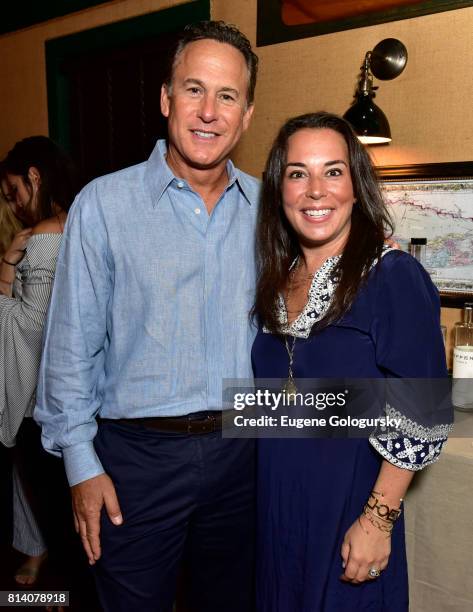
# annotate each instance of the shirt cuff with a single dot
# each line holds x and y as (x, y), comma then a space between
(81, 462)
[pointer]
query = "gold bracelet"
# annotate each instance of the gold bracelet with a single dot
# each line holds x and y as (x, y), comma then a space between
(375, 520)
(368, 509)
(401, 499)
(6, 282)
(383, 511)
(387, 528)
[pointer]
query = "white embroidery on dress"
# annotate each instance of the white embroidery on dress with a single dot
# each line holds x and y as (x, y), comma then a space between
(431, 457)
(411, 442)
(410, 428)
(319, 299)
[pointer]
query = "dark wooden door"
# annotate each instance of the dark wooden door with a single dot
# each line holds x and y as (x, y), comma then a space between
(115, 104)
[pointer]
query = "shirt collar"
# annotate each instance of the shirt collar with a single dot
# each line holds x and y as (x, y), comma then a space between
(158, 175)
(245, 183)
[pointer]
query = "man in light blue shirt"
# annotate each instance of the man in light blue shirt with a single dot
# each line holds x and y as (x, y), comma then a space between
(149, 313)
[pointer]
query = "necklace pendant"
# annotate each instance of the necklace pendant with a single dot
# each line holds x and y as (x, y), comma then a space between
(290, 390)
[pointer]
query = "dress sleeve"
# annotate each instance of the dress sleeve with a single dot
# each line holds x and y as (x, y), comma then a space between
(410, 351)
(21, 328)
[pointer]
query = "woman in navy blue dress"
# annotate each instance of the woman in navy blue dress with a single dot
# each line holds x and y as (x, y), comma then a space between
(334, 301)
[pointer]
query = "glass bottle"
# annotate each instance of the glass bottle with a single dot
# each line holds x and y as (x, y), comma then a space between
(462, 392)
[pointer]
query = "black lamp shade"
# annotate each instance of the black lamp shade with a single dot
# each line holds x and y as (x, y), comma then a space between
(368, 121)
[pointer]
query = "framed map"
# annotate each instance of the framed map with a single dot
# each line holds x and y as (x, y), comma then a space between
(282, 20)
(435, 202)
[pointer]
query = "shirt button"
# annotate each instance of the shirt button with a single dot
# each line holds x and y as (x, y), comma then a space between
(197, 211)
(180, 184)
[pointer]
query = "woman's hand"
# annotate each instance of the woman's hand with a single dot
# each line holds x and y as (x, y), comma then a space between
(364, 547)
(16, 250)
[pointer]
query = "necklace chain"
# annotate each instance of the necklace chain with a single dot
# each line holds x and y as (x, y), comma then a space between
(289, 388)
(290, 353)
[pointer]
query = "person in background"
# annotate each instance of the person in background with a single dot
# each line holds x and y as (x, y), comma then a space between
(149, 314)
(334, 301)
(39, 181)
(9, 225)
(27, 538)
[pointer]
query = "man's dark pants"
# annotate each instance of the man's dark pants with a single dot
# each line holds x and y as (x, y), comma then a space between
(184, 498)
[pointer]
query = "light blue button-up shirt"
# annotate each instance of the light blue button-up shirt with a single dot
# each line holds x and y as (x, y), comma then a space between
(149, 311)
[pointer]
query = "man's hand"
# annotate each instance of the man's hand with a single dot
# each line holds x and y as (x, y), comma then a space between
(88, 497)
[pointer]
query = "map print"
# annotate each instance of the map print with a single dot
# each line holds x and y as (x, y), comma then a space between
(442, 212)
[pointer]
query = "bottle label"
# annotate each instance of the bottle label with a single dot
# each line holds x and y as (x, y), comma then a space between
(463, 362)
(462, 390)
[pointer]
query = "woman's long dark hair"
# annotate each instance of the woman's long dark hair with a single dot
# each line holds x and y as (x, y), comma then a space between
(277, 243)
(59, 178)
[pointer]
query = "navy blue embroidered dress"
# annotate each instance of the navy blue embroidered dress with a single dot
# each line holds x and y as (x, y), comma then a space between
(312, 490)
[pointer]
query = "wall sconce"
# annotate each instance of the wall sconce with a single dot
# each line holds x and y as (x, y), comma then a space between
(387, 60)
